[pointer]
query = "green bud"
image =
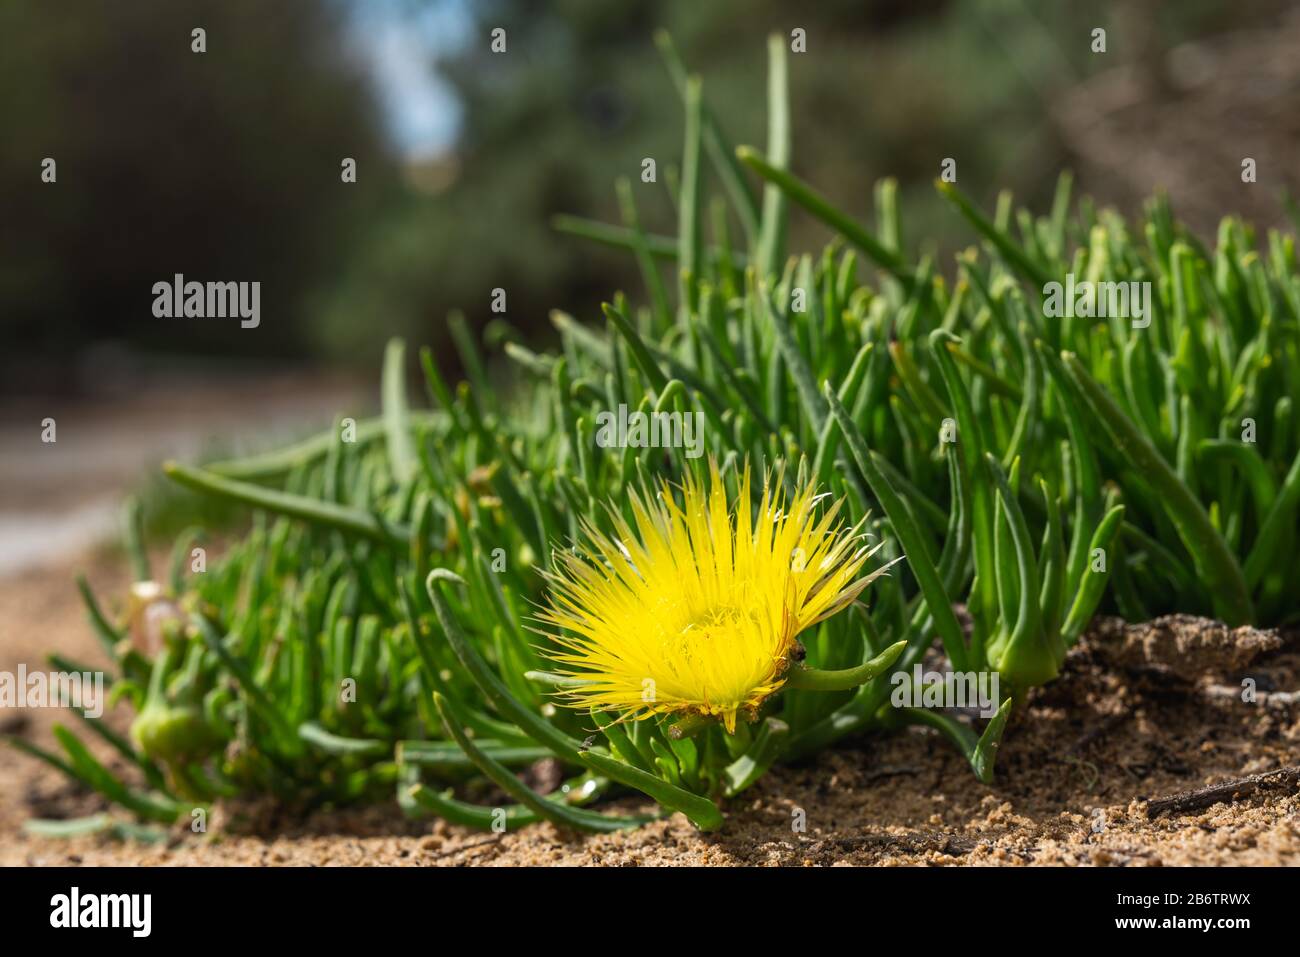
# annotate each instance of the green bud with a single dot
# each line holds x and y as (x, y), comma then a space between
(173, 735)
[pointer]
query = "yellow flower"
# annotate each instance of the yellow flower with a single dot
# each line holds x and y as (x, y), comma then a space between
(697, 610)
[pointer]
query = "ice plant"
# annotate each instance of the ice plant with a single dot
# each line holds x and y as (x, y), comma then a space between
(370, 630)
(697, 610)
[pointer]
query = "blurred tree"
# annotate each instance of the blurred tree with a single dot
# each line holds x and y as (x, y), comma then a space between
(222, 165)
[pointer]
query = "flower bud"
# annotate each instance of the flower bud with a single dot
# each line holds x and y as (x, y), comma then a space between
(149, 611)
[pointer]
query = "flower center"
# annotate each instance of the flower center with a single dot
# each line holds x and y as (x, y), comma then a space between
(719, 623)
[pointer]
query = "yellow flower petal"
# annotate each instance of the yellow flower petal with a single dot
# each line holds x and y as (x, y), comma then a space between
(696, 608)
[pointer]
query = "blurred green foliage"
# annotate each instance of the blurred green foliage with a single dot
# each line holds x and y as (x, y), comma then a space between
(226, 165)
(887, 87)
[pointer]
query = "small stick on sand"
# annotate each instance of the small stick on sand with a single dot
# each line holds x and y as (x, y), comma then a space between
(1282, 779)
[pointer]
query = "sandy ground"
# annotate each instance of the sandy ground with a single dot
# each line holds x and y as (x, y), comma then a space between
(1119, 727)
